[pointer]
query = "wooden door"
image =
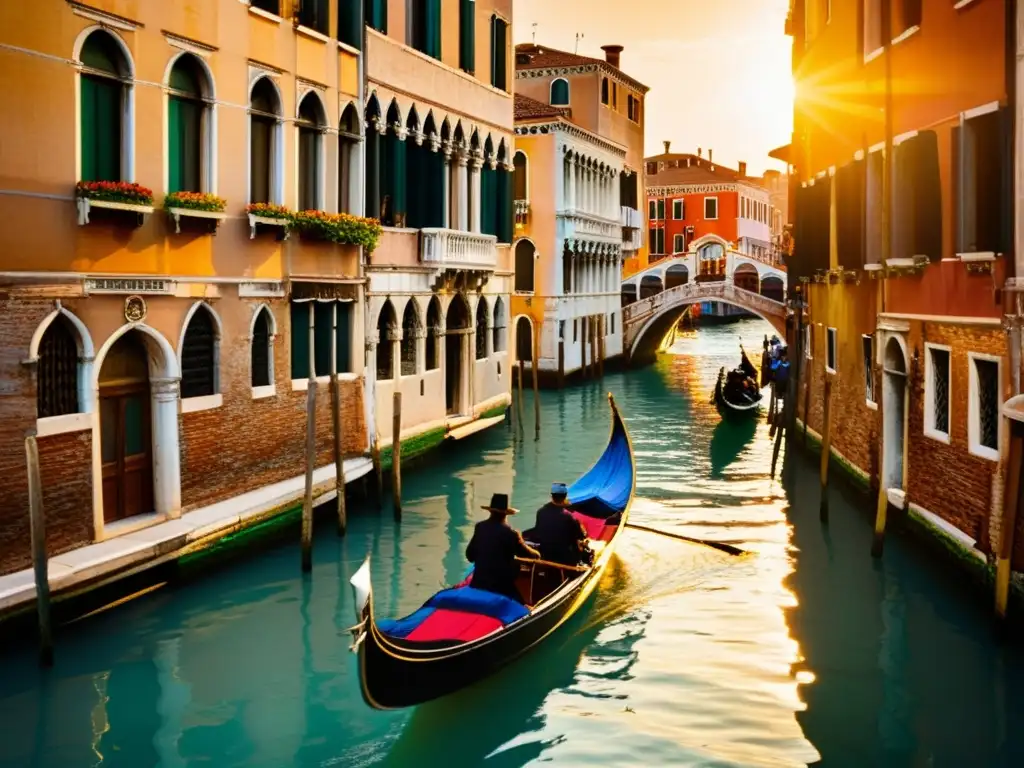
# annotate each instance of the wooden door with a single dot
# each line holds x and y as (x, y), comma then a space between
(127, 451)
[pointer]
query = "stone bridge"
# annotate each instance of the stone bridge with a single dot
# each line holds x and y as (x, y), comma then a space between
(647, 322)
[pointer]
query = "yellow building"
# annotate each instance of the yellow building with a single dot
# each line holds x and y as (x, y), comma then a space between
(578, 175)
(157, 336)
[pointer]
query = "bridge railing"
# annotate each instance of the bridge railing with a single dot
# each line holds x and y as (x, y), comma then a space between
(644, 308)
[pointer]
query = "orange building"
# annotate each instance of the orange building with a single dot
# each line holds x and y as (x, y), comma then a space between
(904, 231)
(577, 180)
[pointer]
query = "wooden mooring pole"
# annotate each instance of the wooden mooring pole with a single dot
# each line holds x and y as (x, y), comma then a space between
(826, 449)
(339, 456)
(37, 527)
(396, 455)
(1011, 504)
(600, 346)
(536, 386)
(519, 404)
(307, 502)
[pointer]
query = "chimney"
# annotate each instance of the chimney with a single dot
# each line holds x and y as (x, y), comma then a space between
(667, 145)
(611, 54)
(699, 151)
(743, 168)
(710, 160)
(687, 162)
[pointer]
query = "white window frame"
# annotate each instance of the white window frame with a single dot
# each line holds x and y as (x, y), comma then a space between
(678, 205)
(216, 399)
(551, 89)
(267, 390)
(706, 201)
(930, 430)
(973, 408)
(870, 396)
(832, 335)
(677, 239)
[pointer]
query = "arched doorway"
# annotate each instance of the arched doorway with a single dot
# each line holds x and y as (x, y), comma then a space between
(745, 277)
(675, 275)
(894, 392)
(524, 341)
(772, 288)
(525, 257)
(126, 444)
(456, 327)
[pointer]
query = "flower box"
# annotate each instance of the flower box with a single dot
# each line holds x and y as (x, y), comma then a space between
(114, 196)
(177, 213)
(195, 205)
(269, 215)
(340, 228)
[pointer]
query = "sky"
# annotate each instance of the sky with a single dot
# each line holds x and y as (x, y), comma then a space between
(719, 70)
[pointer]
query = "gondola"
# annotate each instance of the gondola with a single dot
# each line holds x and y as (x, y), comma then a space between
(730, 408)
(462, 635)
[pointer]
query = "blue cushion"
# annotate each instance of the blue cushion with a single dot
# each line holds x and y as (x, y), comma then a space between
(402, 627)
(504, 609)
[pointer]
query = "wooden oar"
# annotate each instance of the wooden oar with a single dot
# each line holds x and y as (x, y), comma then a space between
(728, 548)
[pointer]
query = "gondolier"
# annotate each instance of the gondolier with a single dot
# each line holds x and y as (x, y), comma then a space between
(494, 548)
(560, 537)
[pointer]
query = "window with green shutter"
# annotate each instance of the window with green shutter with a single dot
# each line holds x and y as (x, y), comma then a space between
(323, 336)
(425, 27)
(185, 109)
(311, 123)
(467, 35)
(300, 339)
(102, 107)
(499, 53)
(350, 23)
(377, 15)
(315, 15)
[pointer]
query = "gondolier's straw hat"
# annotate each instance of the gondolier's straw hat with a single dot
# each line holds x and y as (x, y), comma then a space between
(499, 504)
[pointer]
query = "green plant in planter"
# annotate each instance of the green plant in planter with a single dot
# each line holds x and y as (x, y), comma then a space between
(269, 211)
(195, 201)
(115, 192)
(341, 228)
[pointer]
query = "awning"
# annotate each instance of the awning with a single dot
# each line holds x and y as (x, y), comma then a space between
(474, 427)
(782, 153)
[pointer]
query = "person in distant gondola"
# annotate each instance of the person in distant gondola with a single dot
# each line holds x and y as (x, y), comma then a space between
(494, 548)
(560, 536)
(780, 372)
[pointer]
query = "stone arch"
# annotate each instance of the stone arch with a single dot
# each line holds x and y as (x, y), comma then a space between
(206, 81)
(85, 353)
(429, 127)
(483, 320)
(894, 409)
(457, 360)
(411, 330)
(372, 107)
(434, 328)
(629, 294)
(218, 335)
(261, 350)
(745, 276)
(127, 61)
(524, 339)
(677, 274)
(773, 287)
(387, 325)
(650, 285)
(499, 324)
(521, 175)
(412, 120)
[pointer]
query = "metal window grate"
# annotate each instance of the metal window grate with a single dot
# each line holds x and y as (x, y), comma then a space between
(409, 329)
(988, 403)
(481, 330)
(198, 356)
(261, 350)
(940, 382)
(58, 370)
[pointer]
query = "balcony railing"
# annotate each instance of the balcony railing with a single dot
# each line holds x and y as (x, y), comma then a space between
(522, 209)
(631, 218)
(449, 248)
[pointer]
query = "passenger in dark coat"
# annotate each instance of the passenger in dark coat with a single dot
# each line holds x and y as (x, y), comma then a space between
(494, 548)
(560, 536)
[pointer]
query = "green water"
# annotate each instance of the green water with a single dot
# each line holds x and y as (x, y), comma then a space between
(807, 651)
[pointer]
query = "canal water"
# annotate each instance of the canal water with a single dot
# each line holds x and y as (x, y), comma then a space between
(806, 651)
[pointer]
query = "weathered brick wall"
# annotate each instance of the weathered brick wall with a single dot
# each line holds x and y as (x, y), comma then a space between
(65, 460)
(947, 479)
(249, 443)
(944, 479)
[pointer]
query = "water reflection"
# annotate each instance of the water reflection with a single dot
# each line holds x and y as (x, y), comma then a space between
(728, 441)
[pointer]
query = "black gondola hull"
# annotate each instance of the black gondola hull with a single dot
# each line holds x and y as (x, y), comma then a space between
(732, 410)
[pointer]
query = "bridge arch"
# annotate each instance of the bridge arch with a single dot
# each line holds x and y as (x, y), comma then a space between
(773, 287)
(648, 321)
(677, 274)
(746, 276)
(651, 285)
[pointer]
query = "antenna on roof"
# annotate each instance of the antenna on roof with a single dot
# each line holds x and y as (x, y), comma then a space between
(579, 36)
(535, 33)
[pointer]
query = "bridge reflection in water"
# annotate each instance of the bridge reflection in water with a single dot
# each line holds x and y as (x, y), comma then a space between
(808, 650)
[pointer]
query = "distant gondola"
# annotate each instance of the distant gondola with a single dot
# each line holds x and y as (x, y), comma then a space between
(461, 634)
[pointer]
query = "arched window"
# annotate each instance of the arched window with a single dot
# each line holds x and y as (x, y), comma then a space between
(481, 329)
(410, 329)
(262, 349)
(348, 143)
(524, 266)
(604, 90)
(520, 178)
(57, 385)
(199, 355)
(433, 329)
(264, 143)
(500, 322)
(105, 115)
(386, 323)
(311, 124)
(560, 92)
(524, 340)
(189, 135)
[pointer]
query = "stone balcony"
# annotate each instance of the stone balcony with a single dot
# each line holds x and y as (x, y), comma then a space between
(522, 211)
(631, 218)
(576, 224)
(459, 259)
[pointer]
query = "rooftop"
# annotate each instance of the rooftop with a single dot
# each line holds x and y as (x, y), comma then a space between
(688, 169)
(532, 109)
(533, 56)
